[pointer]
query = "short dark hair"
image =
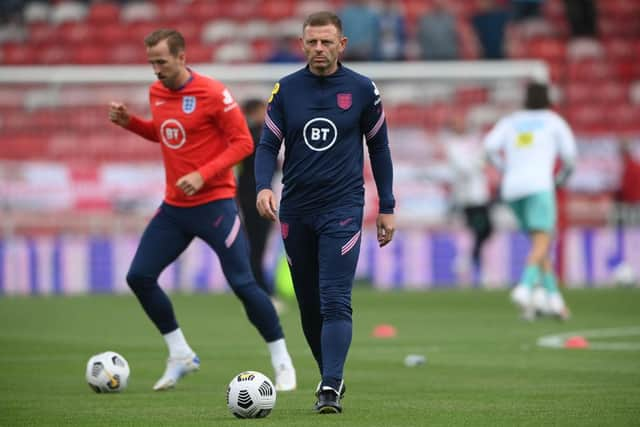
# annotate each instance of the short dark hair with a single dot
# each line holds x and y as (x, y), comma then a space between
(537, 97)
(174, 39)
(319, 19)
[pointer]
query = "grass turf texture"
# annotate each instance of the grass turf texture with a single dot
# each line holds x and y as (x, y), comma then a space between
(483, 366)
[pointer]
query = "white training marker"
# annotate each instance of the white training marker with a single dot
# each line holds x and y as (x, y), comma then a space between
(558, 340)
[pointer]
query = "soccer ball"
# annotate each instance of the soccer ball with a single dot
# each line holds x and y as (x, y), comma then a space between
(107, 372)
(251, 394)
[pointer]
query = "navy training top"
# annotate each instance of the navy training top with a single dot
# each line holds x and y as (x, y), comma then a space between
(322, 121)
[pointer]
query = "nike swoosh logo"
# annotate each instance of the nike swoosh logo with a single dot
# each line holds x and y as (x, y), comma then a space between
(160, 103)
(345, 222)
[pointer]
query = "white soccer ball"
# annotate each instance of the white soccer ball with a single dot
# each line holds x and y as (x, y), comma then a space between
(251, 394)
(107, 372)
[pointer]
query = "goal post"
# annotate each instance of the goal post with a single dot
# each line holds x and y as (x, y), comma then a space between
(471, 71)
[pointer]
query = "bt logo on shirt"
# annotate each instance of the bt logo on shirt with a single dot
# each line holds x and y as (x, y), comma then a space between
(320, 134)
(173, 134)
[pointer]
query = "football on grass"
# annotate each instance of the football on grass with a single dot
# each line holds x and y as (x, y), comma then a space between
(251, 394)
(107, 372)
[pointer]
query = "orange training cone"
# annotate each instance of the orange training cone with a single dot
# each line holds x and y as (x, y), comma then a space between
(576, 342)
(384, 331)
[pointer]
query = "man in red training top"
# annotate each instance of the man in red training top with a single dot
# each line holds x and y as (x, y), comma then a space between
(202, 134)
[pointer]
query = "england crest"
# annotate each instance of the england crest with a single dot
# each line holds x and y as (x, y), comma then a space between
(284, 230)
(188, 104)
(344, 100)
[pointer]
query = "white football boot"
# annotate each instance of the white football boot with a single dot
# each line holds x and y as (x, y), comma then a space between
(540, 301)
(557, 306)
(285, 377)
(176, 369)
(521, 296)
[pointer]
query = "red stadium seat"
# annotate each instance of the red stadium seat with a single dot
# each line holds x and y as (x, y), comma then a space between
(48, 120)
(590, 70)
(53, 54)
(112, 35)
(172, 11)
(40, 32)
(137, 31)
(76, 32)
(577, 93)
(87, 54)
(14, 120)
(24, 146)
(618, 8)
(465, 96)
(603, 94)
(241, 10)
(12, 97)
(191, 33)
(613, 92)
(103, 12)
(407, 114)
(127, 53)
(205, 10)
(587, 118)
(628, 71)
(546, 48)
(276, 10)
(19, 54)
(623, 26)
(199, 53)
(84, 118)
(620, 48)
(622, 117)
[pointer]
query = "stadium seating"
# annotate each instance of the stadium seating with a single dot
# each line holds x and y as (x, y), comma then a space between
(76, 32)
(597, 80)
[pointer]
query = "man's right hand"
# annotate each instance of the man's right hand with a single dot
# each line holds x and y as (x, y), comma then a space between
(266, 204)
(118, 114)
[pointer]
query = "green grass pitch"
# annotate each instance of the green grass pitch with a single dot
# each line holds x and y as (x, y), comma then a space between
(483, 365)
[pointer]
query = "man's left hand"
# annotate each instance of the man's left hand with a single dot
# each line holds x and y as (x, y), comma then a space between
(191, 183)
(385, 223)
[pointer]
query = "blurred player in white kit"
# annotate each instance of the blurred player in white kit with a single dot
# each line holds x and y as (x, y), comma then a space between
(524, 145)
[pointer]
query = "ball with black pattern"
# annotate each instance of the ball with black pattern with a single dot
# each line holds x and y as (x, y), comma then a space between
(251, 394)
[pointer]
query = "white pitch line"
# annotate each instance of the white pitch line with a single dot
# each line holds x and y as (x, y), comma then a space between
(558, 340)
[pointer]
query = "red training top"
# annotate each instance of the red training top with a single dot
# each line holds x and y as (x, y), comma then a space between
(201, 127)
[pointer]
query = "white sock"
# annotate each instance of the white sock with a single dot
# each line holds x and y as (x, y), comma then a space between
(177, 344)
(279, 353)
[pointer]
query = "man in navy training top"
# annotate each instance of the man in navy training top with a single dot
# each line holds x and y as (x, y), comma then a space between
(322, 112)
